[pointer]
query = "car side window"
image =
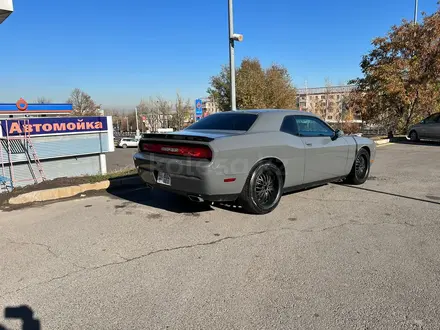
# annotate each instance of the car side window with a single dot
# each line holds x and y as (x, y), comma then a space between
(289, 125)
(432, 119)
(312, 126)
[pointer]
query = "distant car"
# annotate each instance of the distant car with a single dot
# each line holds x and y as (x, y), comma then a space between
(128, 143)
(252, 157)
(427, 129)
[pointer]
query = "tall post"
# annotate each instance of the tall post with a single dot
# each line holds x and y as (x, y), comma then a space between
(232, 55)
(137, 121)
(416, 9)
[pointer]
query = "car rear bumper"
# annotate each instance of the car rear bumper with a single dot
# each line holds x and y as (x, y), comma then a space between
(196, 178)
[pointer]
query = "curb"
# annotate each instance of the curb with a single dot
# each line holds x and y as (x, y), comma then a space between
(65, 192)
(382, 141)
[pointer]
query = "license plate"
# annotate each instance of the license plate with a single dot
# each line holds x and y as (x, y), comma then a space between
(164, 178)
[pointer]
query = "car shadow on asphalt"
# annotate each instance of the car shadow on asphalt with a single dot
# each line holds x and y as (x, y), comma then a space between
(159, 199)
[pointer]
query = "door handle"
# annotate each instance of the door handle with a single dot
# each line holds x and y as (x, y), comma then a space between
(308, 144)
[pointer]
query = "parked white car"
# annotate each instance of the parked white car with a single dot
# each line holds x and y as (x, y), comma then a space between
(128, 143)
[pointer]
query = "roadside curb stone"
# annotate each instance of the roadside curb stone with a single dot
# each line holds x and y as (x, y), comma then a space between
(382, 141)
(65, 192)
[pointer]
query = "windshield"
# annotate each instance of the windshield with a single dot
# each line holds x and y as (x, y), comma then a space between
(226, 122)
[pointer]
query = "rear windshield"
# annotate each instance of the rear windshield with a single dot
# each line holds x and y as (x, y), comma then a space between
(227, 122)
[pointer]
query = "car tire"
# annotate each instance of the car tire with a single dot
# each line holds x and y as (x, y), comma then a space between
(413, 136)
(361, 168)
(124, 146)
(263, 189)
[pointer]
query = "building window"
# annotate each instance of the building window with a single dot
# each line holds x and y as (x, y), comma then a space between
(330, 117)
(338, 96)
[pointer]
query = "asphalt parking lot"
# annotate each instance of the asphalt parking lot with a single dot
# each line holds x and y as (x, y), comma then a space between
(120, 159)
(333, 257)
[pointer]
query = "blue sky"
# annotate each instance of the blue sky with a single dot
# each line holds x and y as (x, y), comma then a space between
(120, 51)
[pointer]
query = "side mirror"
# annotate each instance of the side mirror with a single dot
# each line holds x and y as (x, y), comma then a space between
(338, 134)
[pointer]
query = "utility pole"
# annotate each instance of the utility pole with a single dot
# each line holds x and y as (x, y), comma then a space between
(416, 9)
(232, 38)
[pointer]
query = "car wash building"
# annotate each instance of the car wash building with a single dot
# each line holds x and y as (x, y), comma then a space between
(41, 142)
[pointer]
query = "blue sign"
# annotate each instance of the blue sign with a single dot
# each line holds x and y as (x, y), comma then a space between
(23, 107)
(47, 126)
(199, 109)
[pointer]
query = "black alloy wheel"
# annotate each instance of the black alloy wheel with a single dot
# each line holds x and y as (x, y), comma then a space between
(266, 188)
(263, 188)
(413, 136)
(361, 168)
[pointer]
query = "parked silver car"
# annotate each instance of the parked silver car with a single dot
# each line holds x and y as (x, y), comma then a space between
(427, 129)
(252, 156)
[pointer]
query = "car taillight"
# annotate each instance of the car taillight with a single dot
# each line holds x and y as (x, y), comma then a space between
(201, 152)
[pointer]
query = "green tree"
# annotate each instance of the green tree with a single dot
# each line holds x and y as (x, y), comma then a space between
(400, 83)
(256, 87)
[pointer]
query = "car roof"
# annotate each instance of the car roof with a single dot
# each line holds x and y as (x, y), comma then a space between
(269, 119)
(270, 111)
(277, 111)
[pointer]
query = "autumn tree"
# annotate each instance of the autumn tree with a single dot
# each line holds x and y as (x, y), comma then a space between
(182, 112)
(318, 106)
(157, 112)
(82, 103)
(400, 83)
(256, 87)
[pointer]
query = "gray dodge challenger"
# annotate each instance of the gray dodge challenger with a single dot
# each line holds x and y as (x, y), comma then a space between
(252, 157)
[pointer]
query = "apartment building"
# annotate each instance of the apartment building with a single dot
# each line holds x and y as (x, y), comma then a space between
(328, 102)
(209, 106)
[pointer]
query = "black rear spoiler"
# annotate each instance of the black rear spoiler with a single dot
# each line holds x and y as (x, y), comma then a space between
(172, 137)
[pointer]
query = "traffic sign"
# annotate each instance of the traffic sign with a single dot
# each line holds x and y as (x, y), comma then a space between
(199, 109)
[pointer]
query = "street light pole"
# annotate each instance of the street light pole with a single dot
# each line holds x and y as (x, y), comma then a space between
(232, 38)
(137, 121)
(231, 55)
(416, 9)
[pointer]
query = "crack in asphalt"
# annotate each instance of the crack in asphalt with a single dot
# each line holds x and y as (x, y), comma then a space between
(47, 247)
(184, 247)
(126, 260)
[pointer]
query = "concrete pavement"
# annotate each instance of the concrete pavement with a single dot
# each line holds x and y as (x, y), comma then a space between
(334, 257)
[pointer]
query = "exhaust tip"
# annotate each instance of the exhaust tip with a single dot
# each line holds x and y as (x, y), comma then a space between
(196, 199)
